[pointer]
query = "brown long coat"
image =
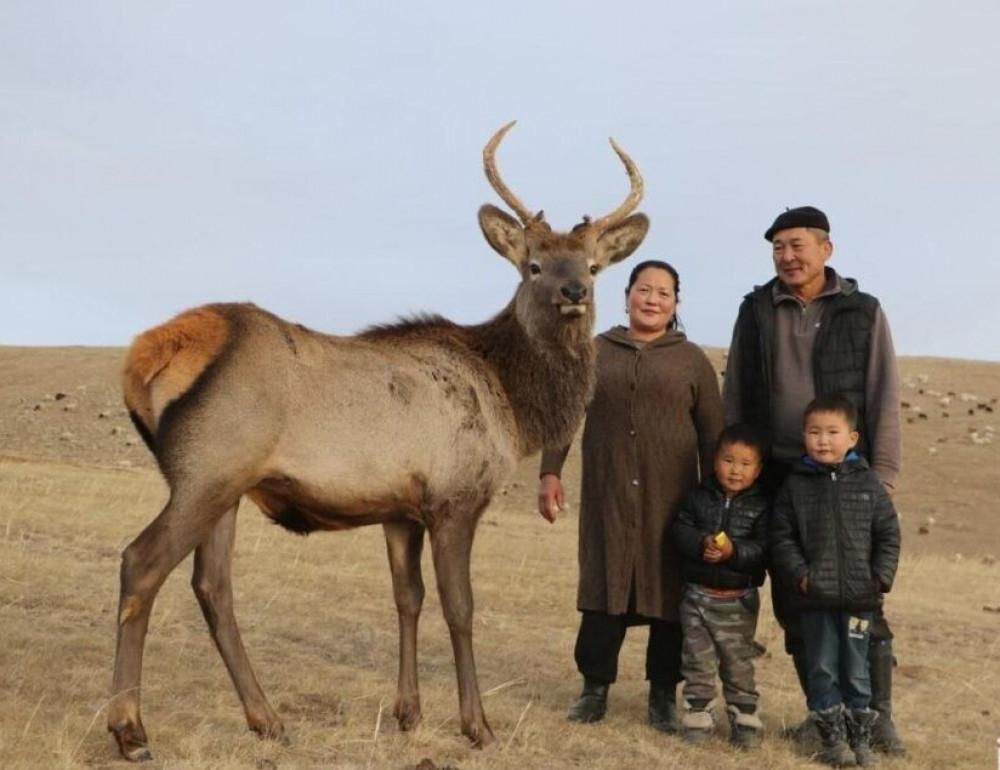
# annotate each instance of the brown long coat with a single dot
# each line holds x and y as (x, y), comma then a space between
(655, 416)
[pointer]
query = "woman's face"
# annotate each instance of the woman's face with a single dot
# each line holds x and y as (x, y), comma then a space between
(652, 302)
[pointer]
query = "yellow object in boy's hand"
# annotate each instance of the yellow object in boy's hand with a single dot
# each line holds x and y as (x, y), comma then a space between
(721, 539)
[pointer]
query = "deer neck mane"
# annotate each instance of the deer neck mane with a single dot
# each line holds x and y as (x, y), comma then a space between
(547, 384)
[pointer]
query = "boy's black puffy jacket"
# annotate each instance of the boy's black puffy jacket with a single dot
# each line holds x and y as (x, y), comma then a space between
(743, 518)
(837, 526)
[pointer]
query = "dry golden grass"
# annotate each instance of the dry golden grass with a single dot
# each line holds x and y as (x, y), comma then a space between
(319, 621)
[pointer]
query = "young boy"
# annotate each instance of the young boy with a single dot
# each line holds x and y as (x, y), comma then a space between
(721, 534)
(835, 537)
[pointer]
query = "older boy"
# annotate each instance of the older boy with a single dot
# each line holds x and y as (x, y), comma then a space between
(835, 537)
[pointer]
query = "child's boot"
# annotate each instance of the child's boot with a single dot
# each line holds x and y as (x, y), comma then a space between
(859, 734)
(698, 721)
(745, 727)
(832, 726)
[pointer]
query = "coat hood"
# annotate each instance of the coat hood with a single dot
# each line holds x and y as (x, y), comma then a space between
(619, 336)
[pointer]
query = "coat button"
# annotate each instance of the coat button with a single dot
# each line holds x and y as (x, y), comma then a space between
(635, 482)
(631, 433)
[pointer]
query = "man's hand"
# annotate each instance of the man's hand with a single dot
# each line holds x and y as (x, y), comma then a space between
(550, 496)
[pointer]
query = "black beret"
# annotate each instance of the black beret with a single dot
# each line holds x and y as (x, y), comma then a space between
(803, 216)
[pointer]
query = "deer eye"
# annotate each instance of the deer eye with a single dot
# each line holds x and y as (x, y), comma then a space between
(593, 269)
(535, 269)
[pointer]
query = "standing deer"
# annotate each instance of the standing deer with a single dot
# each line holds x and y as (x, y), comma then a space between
(412, 426)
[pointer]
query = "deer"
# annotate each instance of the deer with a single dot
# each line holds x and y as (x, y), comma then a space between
(413, 425)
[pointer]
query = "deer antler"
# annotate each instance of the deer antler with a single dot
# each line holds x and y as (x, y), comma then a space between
(490, 166)
(634, 196)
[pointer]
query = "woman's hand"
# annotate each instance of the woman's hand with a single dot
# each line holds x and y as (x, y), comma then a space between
(550, 496)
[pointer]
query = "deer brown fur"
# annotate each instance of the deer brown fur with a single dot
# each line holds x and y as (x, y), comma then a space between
(413, 426)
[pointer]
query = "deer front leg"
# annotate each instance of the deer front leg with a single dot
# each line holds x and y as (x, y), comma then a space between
(451, 544)
(212, 583)
(404, 542)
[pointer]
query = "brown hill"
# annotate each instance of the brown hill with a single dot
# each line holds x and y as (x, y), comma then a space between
(65, 403)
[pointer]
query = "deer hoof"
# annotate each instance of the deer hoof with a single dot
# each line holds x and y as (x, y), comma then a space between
(271, 731)
(132, 742)
(407, 713)
(481, 736)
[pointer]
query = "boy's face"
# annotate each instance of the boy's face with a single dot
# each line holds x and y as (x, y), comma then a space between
(828, 437)
(737, 466)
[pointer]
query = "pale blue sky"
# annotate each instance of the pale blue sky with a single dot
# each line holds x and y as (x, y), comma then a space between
(324, 160)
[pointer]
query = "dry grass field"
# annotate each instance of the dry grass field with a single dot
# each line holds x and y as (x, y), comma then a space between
(319, 622)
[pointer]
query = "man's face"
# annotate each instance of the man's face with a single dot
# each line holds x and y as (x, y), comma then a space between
(828, 437)
(799, 259)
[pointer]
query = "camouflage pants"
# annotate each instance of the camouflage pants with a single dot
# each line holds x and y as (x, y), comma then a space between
(719, 637)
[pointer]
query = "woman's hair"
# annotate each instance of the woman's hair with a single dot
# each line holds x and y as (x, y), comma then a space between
(660, 265)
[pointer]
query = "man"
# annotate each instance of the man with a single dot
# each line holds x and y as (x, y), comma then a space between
(809, 332)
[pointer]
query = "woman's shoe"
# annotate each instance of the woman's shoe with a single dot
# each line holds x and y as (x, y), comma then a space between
(592, 704)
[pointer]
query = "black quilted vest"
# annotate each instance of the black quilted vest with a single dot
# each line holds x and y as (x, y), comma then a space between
(840, 353)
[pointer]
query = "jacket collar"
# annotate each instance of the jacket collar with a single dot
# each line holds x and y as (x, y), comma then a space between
(835, 284)
(713, 483)
(777, 292)
(852, 462)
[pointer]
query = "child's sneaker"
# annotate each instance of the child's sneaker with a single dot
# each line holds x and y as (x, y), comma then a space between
(745, 730)
(697, 723)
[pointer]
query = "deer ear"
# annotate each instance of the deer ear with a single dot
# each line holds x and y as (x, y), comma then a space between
(504, 234)
(620, 241)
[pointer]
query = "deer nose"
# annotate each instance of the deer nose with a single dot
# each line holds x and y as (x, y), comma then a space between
(574, 291)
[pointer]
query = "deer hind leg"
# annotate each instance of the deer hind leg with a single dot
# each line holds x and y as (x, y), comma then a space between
(404, 542)
(451, 544)
(213, 586)
(146, 563)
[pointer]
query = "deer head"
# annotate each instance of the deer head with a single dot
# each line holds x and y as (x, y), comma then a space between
(558, 269)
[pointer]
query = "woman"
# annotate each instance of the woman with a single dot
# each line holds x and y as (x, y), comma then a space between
(651, 428)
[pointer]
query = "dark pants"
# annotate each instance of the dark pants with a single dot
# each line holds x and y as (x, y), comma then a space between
(600, 639)
(836, 654)
(791, 622)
